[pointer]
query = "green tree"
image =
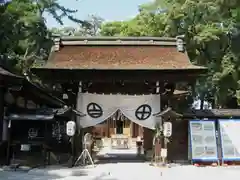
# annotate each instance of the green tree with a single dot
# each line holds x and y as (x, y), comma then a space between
(25, 38)
(146, 23)
(91, 27)
(211, 30)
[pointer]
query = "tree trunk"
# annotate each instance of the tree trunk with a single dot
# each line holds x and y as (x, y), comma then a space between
(201, 101)
(213, 103)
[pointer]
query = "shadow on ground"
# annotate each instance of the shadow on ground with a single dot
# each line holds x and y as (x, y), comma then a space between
(119, 158)
(7, 175)
(48, 173)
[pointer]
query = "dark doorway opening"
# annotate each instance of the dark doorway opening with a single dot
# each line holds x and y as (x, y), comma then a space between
(119, 128)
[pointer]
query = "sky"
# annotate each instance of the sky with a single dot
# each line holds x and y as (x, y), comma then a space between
(109, 10)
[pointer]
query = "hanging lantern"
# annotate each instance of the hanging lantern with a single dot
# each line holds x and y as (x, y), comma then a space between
(71, 128)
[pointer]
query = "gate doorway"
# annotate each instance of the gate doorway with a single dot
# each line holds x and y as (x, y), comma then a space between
(119, 127)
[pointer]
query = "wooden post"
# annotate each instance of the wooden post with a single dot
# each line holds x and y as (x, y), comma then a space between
(73, 144)
(2, 92)
(162, 136)
(8, 159)
(131, 130)
(161, 119)
(80, 90)
(74, 118)
(44, 145)
(108, 128)
(165, 147)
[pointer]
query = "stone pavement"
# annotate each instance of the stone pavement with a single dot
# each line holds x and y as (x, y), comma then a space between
(126, 171)
(117, 170)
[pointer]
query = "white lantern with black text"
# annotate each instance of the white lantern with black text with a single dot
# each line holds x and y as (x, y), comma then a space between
(167, 129)
(71, 128)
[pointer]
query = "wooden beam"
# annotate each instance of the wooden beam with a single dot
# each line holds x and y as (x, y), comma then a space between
(59, 75)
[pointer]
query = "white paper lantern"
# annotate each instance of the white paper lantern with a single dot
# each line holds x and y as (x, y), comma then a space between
(167, 129)
(71, 128)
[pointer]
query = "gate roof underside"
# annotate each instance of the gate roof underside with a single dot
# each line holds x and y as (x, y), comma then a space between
(9, 78)
(73, 54)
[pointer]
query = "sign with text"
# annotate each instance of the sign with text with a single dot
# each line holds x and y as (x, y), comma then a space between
(230, 139)
(203, 140)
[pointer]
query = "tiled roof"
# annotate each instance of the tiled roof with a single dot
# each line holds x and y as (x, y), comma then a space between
(118, 53)
(211, 113)
(201, 113)
(40, 95)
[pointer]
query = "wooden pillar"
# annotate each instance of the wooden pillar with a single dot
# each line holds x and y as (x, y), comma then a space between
(2, 92)
(148, 135)
(131, 128)
(81, 133)
(141, 131)
(73, 143)
(108, 128)
(135, 130)
(76, 146)
(8, 158)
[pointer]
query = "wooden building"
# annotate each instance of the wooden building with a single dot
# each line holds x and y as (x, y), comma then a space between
(179, 148)
(8, 81)
(25, 106)
(119, 65)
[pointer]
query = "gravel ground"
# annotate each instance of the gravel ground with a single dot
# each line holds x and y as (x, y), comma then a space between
(125, 171)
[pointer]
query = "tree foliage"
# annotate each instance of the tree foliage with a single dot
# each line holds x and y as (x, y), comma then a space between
(91, 27)
(24, 37)
(211, 30)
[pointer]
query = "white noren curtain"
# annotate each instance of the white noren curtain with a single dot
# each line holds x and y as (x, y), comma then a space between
(137, 108)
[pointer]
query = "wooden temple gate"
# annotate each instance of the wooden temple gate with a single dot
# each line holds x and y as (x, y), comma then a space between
(125, 65)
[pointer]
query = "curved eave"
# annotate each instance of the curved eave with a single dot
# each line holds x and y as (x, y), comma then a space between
(168, 113)
(9, 78)
(40, 94)
(35, 117)
(82, 74)
(191, 68)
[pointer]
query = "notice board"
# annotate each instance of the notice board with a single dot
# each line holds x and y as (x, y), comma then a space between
(203, 143)
(230, 139)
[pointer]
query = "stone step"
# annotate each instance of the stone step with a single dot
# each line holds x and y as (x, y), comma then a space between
(102, 160)
(106, 142)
